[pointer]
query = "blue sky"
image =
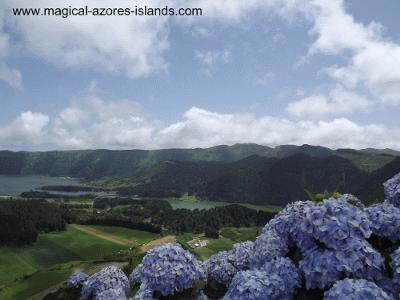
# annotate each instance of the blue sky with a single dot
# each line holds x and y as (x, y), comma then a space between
(323, 72)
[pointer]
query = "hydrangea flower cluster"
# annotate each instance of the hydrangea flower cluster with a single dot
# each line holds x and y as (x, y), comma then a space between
(287, 272)
(77, 279)
(220, 267)
(168, 269)
(286, 225)
(395, 264)
(241, 255)
(268, 246)
(111, 294)
(392, 190)
(110, 282)
(336, 223)
(144, 293)
(350, 289)
(361, 260)
(388, 285)
(320, 268)
(257, 285)
(385, 220)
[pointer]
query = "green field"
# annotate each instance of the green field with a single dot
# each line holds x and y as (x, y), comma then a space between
(228, 237)
(54, 257)
(191, 202)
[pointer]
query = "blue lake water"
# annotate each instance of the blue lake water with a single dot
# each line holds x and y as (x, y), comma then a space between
(15, 185)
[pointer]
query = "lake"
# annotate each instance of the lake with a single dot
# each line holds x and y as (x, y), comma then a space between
(15, 185)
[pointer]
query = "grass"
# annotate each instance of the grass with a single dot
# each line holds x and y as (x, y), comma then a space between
(25, 271)
(41, 280)
(228, 237)
(240, 234)
(134, 236)
(86, 246)
(191, 202)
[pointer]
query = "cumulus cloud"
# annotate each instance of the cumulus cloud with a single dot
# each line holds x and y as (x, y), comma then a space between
(93, 122)
(10, 76)
(339, 102)
(210, 59)
(374, 62)
(28, 128)
(133, 46)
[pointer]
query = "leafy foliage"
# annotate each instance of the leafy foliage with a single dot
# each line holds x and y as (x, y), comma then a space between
(21, 221)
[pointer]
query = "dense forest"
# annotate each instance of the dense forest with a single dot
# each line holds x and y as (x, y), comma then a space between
(21, 221)
(152, 215)
(261, 180)
(93, 164)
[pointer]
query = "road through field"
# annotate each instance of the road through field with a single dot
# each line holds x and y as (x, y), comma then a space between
(105, 236)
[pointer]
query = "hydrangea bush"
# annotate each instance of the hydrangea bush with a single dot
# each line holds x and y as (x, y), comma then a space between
(392, 190)
(77, 279)
(328, 247)
(385, 220)
(109, 282)
(168, 269)
(350, 289)
(257, 285)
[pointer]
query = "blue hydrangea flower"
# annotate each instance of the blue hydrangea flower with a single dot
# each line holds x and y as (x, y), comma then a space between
(144, 293)
(112, 294)
(77, 279)
(241, 255)
(335, 222)
(320, 268)
(361, 260)
(385, 220)
(287, 271)
(395, 264)
(110, 278)
(392, 190)
(388, 285)
(351, 199)
(268, 245)
(220, 267)
(257, 285)
(168, 269)
(286, 225)
(350, 289)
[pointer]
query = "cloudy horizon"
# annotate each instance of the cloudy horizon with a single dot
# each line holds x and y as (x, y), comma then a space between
(269, 72)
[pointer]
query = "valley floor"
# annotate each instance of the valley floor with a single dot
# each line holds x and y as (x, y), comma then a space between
(33, 271)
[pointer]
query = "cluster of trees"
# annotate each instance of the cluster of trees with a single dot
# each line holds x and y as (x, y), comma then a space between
(21, 221)
(209, 221)
(71, 188)
(154, 214)
(262, 180)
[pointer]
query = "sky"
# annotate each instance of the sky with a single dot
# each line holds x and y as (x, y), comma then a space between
(272, 72)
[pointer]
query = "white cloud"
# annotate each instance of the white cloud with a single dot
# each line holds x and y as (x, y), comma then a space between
(339, 102)
(11, 76)
(211, 59)
(374, 59)
(26, 129)
(93, 122)
(129, 45)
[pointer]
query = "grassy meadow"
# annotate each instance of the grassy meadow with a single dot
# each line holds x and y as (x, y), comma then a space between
(26, 271)
(191, 202)
(228, 237)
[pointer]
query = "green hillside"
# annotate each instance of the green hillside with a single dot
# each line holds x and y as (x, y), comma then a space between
(94, 164)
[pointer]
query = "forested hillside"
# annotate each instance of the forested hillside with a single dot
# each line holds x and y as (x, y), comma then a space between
(260, 180)
(93, 164)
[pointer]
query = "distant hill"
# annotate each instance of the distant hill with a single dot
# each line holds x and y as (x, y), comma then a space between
(260, 180)
(94, 164)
